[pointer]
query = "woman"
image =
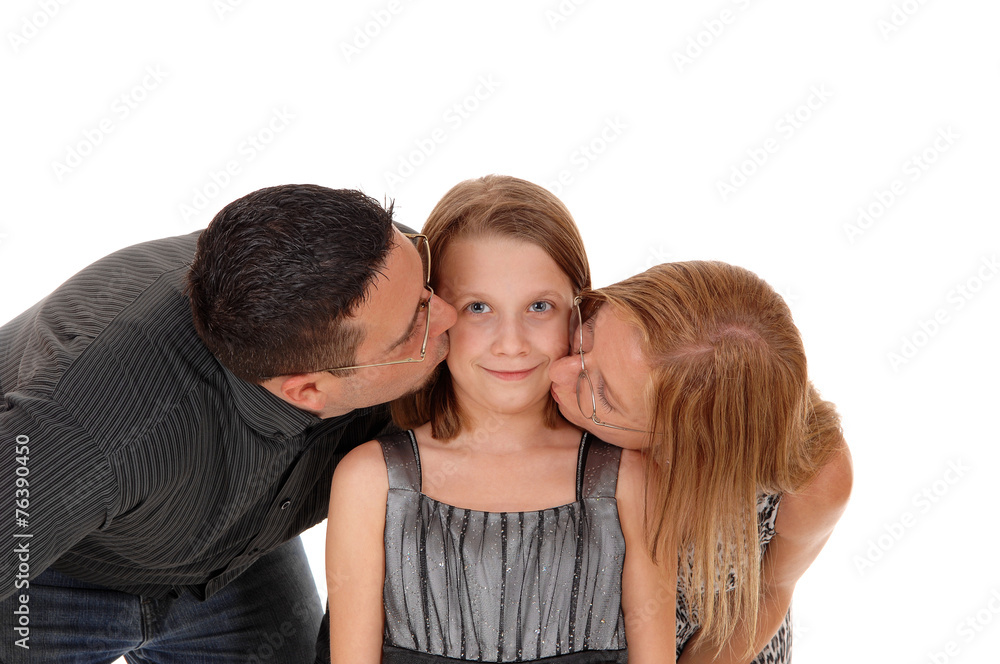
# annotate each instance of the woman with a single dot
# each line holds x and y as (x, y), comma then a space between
(699, 365)
(493, 530)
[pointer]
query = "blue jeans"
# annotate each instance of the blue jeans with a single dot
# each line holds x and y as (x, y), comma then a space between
(270, 614)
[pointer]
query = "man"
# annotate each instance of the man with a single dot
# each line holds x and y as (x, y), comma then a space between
(172, 416)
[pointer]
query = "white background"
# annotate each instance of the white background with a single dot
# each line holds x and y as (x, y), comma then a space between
(839, 97)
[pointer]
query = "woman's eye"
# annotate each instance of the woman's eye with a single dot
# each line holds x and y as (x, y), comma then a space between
(539, 307)
(478, 308)
(603, 397)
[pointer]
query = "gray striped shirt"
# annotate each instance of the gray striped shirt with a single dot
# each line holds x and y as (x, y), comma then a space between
(150, 467)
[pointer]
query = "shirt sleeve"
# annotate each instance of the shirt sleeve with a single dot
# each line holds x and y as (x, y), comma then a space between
(56, 487)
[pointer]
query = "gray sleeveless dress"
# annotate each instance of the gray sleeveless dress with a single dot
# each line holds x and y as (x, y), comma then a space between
(503, 586)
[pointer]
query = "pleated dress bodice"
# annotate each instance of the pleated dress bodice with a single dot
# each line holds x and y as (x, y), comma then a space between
(503, 586)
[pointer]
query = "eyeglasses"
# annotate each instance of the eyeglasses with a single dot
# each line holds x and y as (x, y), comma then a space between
(424, 248)
(583, 383)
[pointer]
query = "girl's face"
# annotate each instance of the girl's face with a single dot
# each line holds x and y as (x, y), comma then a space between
(619, 375)
(513, 303)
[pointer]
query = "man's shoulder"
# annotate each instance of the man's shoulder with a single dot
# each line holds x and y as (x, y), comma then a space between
(140, 264)
(95, 294)
(127, 307)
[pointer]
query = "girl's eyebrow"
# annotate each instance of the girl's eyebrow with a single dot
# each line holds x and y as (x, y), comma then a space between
(476, 295)
(548, 293)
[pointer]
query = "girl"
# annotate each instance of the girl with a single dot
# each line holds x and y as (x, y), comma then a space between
(493, 530)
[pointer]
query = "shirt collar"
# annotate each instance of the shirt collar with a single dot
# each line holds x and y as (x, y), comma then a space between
(264, 411)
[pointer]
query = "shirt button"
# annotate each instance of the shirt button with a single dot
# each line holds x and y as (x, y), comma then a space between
(285, 504)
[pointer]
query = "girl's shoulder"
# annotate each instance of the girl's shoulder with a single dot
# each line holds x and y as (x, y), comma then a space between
(363, 468)
(630, 470)
(631, 490)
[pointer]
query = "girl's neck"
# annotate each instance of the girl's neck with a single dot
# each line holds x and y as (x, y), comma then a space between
(502, 433)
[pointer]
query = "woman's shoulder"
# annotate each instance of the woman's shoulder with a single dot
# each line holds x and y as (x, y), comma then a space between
(834, 480)
(818, 505)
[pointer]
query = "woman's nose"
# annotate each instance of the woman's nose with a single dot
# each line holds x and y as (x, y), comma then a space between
(565, 370)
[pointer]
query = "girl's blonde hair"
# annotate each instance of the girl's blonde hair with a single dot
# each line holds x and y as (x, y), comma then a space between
(733, 414)
(494, 206)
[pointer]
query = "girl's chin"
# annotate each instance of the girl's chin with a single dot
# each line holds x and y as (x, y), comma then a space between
(514, 406)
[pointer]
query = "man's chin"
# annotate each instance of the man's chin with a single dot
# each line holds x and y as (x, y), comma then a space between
(443, 347)
(440, 353)
(429, 378)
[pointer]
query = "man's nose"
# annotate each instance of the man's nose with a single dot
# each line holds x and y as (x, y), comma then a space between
(443, 316)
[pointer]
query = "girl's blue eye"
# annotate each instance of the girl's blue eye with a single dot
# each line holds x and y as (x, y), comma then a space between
(478, 308)
(539, 307)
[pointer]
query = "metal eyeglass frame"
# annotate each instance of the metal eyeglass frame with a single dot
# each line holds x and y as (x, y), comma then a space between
(584, 376)
(426, 304)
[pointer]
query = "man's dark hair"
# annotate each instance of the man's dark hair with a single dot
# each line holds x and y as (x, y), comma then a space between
(276, 273)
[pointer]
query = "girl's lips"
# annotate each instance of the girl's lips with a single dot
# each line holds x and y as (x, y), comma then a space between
(510, 375)
(552, 391)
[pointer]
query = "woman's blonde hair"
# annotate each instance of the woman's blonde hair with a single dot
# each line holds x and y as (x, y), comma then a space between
(494, 206)
(734, 414)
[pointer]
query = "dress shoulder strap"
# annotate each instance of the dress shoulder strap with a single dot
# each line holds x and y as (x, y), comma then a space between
(597, 469)
(402, 460)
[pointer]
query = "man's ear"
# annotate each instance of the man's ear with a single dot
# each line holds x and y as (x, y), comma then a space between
(311, 392)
